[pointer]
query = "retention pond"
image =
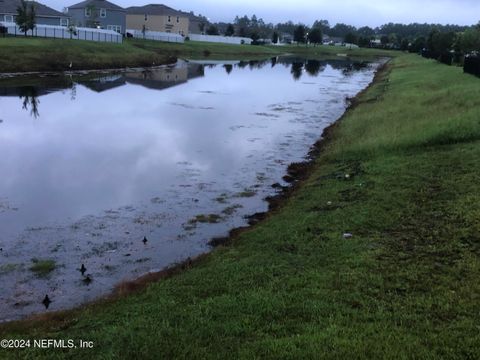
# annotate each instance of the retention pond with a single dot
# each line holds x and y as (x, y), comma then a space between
(129, 172)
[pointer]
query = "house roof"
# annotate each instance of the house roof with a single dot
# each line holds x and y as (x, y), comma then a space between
(153, 9)
(10, 7)
(98, 4)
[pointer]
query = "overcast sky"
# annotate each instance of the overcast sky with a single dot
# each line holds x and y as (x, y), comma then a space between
(354, 12)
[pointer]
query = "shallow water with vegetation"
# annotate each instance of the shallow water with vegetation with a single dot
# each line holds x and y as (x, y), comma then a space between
(130, 172)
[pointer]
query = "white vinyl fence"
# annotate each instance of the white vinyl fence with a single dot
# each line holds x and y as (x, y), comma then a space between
(220, 39)
(156, 35)
(62, 32)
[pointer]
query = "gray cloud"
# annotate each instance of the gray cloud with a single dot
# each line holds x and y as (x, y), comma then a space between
(355, 12)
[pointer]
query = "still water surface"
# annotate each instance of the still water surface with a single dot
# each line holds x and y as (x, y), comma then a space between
(92, 163)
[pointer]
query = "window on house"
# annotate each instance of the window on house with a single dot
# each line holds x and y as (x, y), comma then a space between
(9, 18)
(168, 18)
(103, 13)
(63, 22)
(146, 17)
(88, 12)
(178, 19)
(116, 28)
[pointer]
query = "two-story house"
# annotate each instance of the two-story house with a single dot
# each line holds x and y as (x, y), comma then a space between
(44, 14)
(100, 14)
(157, 17)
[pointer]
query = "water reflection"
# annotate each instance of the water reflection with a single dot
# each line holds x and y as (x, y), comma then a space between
(297, 70)
(314, 67)
(32, 88)
(29, 94)
(228, 68)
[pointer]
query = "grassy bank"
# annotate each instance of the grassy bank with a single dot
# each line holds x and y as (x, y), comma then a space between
(404, 286)
(21, 54)
(37, 54)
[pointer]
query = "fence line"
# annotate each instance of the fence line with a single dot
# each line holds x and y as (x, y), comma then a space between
(155, 35)
(220, 39)
(62, 32)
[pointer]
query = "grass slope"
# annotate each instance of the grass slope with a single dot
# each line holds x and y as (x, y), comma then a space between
(37, 54)
(404, 286)
(22, 54)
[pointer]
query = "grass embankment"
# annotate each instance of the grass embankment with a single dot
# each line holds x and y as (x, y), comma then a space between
(404, 286)
(37, 54)
(19, 54)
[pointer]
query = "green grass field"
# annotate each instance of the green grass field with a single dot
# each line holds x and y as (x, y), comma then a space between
(20, 54)
(405, 286)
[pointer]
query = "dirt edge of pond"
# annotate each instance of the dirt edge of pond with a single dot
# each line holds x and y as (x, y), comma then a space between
(297, 174)
(98, 70)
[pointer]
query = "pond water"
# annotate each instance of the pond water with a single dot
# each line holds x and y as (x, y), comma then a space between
(94, 162)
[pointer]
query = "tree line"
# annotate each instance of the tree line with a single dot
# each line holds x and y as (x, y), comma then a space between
(413, 37)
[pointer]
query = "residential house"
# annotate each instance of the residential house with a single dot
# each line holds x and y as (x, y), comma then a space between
(197, 24)
(44, 14)
(332, 40)
(100, 14)
(157, 17)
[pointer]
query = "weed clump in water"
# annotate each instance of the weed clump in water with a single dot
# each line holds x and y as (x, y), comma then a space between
(42, 267)
(210, 219)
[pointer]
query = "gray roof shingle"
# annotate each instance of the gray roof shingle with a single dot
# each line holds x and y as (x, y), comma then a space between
(153, 9)
(98, 4)
(10, 7)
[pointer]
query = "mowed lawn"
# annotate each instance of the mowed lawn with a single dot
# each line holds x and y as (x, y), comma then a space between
(400, 172)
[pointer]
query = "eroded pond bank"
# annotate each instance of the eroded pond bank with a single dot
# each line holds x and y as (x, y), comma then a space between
(97, 163)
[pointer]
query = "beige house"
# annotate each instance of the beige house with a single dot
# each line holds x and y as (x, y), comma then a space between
(157, 17)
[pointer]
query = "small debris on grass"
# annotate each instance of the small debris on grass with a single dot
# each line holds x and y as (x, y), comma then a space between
(347, 236)
(46, 301)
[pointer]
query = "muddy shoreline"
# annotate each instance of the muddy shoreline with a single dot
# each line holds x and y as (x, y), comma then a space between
(296, 174)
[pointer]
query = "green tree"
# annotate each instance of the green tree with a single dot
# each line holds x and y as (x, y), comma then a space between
(470, 40)
(299, 34)
(315, 36)
(255, 37)
(275, 37)
(440, 42)
(323, 25)
(230, 30)
(351, 38)
(212, 30)
(384, 40)
(341, 30)
(26, 17)
(418, 45)
(364, 41)
(92, 21)
(366, 31)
